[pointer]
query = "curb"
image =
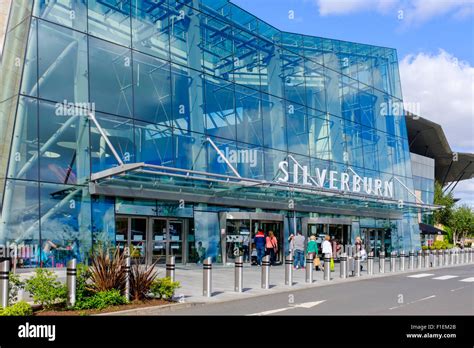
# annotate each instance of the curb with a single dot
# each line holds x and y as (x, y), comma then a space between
(155, 309)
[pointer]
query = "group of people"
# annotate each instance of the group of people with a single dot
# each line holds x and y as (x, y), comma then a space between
(297, 249)
(265, 245)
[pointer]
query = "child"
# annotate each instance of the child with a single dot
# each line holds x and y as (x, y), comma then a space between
(253, 255)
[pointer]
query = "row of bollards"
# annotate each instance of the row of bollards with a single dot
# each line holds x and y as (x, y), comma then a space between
(426, 259)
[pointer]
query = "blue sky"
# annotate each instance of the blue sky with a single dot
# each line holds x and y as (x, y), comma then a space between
(435, 44)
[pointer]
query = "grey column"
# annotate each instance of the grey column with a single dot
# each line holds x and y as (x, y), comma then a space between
(327, 267)
(289, 270)
(309, 269)
(419, 259)
(207, 277)
(4, 289)
(71, 275)
(393, 261)
(370, 263)
(343, 266)
(266, 272)
(402, 261)
(382, 262)
(170, 267)
(239, 274)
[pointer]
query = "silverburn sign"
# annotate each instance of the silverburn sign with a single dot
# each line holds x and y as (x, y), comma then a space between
(335, 180)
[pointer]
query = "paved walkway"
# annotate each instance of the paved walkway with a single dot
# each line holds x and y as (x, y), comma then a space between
(191, 280)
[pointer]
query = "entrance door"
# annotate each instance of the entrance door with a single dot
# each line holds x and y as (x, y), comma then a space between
(374, 240)
(166, 239)
(238, 240)
(132, 232)
(277, 229)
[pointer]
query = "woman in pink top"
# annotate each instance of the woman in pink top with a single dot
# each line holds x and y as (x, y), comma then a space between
(271, 247)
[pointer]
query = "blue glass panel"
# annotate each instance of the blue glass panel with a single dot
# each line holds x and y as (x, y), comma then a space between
(369, 139)
(354, 143)
(150, 27)
(110, 70)
(273, 109)
(336, 139)
(293, 74)
(188, 93)
(120, 133)
(20, 220)
(63, 62)
(315, 84)
(103, 220)
(319, 137)
(154, 144)
(24, 150)
(71, 14)
(216, 164)
(65, 224)
(297, 128)
(110, 20)
(207, 234)
(248, 115)
(385, 152)
(271, 160)
(190, 152)
(219, 108)
(251, 163)
(152, 87)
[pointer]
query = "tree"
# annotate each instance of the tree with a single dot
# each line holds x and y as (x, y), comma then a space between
(462, 222)
(443, 216)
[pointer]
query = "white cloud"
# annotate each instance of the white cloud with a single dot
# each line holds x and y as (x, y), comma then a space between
(414, 11)
(444, 88)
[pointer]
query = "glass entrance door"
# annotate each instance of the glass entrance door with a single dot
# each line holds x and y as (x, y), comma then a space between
(374, 240)
(276, 228)
(166, 239)
(131, 232)
(238, 239)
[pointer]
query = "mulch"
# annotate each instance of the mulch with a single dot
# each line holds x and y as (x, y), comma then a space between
(132, 305)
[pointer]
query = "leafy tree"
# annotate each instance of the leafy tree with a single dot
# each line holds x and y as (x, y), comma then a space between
(462, 222)
(443, 216)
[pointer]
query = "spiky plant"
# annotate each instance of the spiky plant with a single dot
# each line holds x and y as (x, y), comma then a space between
(107, 270)
(141, 279)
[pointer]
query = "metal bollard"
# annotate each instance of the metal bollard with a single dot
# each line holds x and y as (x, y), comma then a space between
(170, 267)
(343, 265)
(457, 257)
(446, 257)
(128, 266)
(370, 263)
(4, 286)
(382, 262)
(327, 267)
(71, 275)
(266, 272)
(288, 270)
(239, 274)
(207, 277)
(357, 264)
(411, 263)
(419, 259)
(463, 253)
(435, 258)
(402, 261)
(309, 269)
(427, 259)
(393, 261)
(453, 257)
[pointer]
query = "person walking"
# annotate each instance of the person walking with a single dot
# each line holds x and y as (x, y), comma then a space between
(271, 247)
(299, 251)
(327, 249)
(312, 248)
(259, 241)
(358, 244)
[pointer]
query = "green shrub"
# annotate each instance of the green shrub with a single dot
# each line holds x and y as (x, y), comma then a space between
(82, 290)
(424, 247)
(101, 300)
(164, 288)
(15, 285)
(18, 309)
(46, 289)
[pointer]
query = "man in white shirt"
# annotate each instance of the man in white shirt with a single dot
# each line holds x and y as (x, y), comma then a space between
(327, 248)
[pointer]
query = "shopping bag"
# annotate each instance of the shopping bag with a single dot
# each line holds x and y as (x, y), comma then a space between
(316, 262)
(332, 265)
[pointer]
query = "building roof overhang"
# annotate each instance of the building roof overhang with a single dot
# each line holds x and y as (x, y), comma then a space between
(427, 138)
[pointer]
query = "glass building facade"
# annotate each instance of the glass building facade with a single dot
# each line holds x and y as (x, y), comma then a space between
(164, 125)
